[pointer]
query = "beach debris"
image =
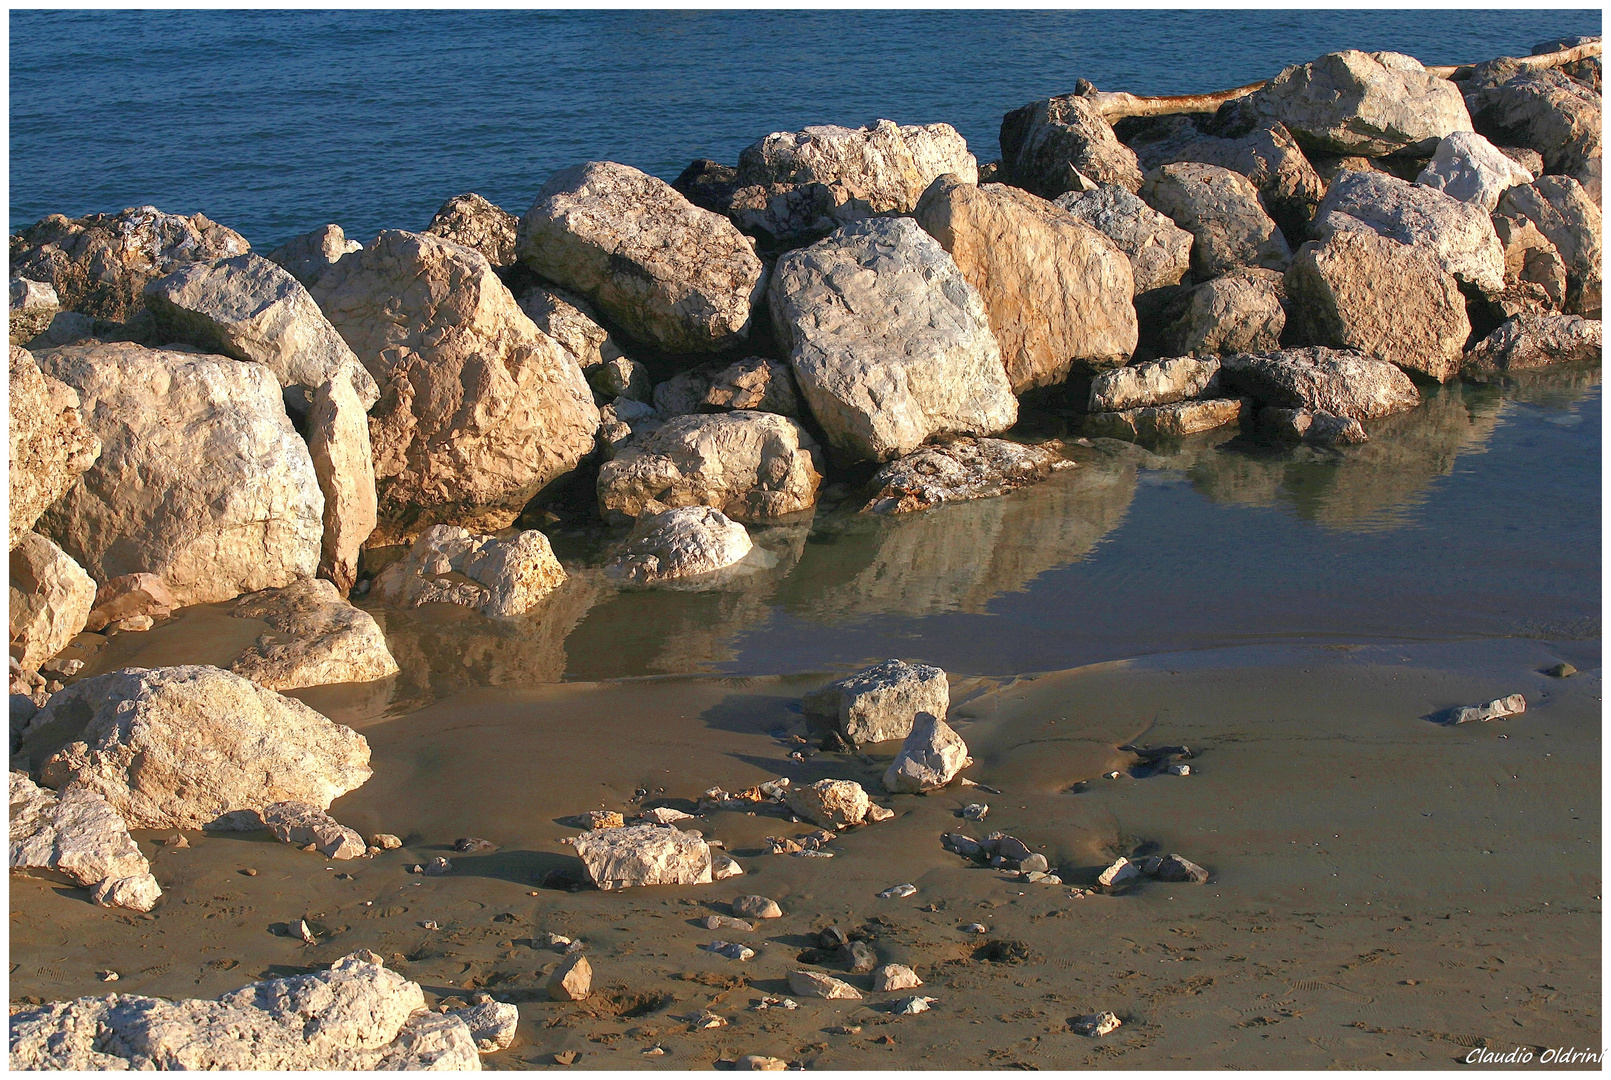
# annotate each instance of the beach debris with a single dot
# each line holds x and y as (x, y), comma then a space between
(473, 845)
(1497, 709)
(1561, 671)
(566, 1057)
(553, 940)
(704, 1020)
(898, 892)
(976, 928)
(385, 841)
(572, 980)
(726, 922)
(783, 845)
(930, 758)
(911, 1006)
(833, 804)
(760, 1063)
(301, 823)
(492, 1023)
(895, 977)
(1095, 1025)
(879, 703)
(644, 855)
(819, 984)
(732, 950)
(776, 1003)
(975, 811)
(107, 976)
(665, 815)
(301, 929)
(757, 907)
(1121, 871)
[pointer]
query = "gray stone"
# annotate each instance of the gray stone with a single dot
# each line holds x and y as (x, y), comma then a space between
(318, 639)
(778, 215)
(1497, 709)
(884, 165)
(1159, 250)
(1063, 144)
(689, 541)
(307, 257)
(300, 824)
(1459, 235)
(34, 304)
(1564, 213)
(930, 758)
(958, 470)
(1468, 167)
(1545, 110)
(622, 421)
(51, 597)
(1530, 341)
(478, 224)
(1176, 868)
(449, 565)
(880, 703)
(1154, 382)
(1321, 380)
(644, 855)
(1237, 312)
(1174, 420)
(1222, 211)
(1317, 428)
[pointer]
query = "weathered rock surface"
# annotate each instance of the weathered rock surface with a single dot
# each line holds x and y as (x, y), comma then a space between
(50, 445)
(1564, 213)
(958, 470)
(300, 824)
(492, 1024)
(779, 215)
(889, 343)
(1057, 291)
(666, 271)
(357, 1015)
(1159, 250)
(623, 420)
(1165, 421)
(253, 310)
(319, 639)
(1497, 709)
(76, 834)
(884, 165)
(307, 257)
(895, 977)
(1063, 144)
(819, 984)
(127, 597)
(1358, 290)
(201, 480)
(930, 758)
(1222, 211)
(752, 466)
(1459, 235)
(1321, 380)
(343, 461)
(570, 321)
(644, 855)
(449, 565)
(1544, 110)
(479, 225)
(179, 747)
(685, 542)
(572, 980)
(34, 304)
(1353, 102)
(1468, 167)
(1316, 428)
(1238, 312)
(99, 265)
(1155, 382)
(479, 409)
(880, 703)
(757, 907)
(754, 383)
(1534, 269)
(621, 378)
(1529, 341)
(51, 597)
(833, 804)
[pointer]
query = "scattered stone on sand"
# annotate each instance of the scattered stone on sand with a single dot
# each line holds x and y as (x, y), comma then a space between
(726, 922)
(478, 224)
(730, 950)
(497, 577)
(179, 747)
(880, 703)
(300, 929)
(723, 865)
(889, 343)
(911, 1006)
(1341, 382)
(603, 819)
(566, 1057)
(492, 1024)
(857, 957)
(667, 272)
(129, 596)
(1236, 312)
(385, 841)
(685, 542)
(298, 823)
(201, 479)
(343, 460)
(473, 845)
(1353, 102)
(757, 907)
(1174, 868)
(930, 758)
(819, 984)
(752, 466)
(1095, 1025)
(644, 855)
(898, 892)
(308, 256)
(436, 867)
(99, 265)
(704, 1020)
(79, 835)
(319, 639)
(51, 597)
(1063, 144)
(1497, 709)
(572, 980)
(50, 444)
(885, 165)
(1122, 871)
(1159, 251)
(1222, 211)
(1468, 167)
(760, 1063)
(1564, 212)
(833, 804)
(665, 815)
(1165, 421)
(895, 977)
(1562, 670)
(959, 469)
(1154, 382)
(975, 811)
(1185, 770)
(1057, 291)
(1530, 341)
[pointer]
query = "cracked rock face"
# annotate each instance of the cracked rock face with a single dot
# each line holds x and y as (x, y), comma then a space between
(879, 704)
(1562, 210)
(1159, 250)
(959, 470)
(1155, 382)
(570, 321)
(1222, 211)
(76, 833)
(1063, 144)
(449, 565)
(1468, 167)
(1321, 380)
(885, 165)
(50, 445)
(686, 542)
(1529, 341)
(644, 855)
(318, 639)
(1238, 312)
(478, 224)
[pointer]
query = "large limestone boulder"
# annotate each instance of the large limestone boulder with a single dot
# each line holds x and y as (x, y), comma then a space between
(668, 273)
(100, 264)
(1063, 144)
(356, 1015)
(1562, 210)
(318, 638)
(251, 309)
(449, 565)
(1056, 290)
(1238, 312)
(50, 446)
(890, 344)
(687, 542)
(1468, 167)
(1459, 235)
(1392, 301)
(878, 704)
(1159, 250)
(1321, 380)
(478, 224)
(930, 758)
(1222, 211)
(959, 470)
(885, 165)
(1545, 110)
(307, 257)
(1530, 341)
(478, 410)
(51, 597)
(182, 747)
(571, 322)
(202, 480)
(77, 834)
(1374, 104)
(752, 466)
(343, 461)
(1155, 382)
(643, 855)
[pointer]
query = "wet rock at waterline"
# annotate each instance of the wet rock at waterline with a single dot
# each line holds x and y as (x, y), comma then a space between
(1159, 250)
(1154, 382)
(1321, 380)
(78, 835)
(318, 639)
(957, 470)
(51, 597)
(687, 542)
(643, 855)
(880, 703)
(1315, 428)
(479, 225)
(495, 576)
(930, 758)
(1529, 341)
(1174, 420)
(50, 444)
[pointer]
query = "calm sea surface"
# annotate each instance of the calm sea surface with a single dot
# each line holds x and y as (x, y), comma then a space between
(275, 122)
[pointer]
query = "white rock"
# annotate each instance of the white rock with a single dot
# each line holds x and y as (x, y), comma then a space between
(1497, 709)
(1096, 1025)
(51, 597)
(731, 950)
(1121, 871)
(685, 542)
(76, 833)
(1459, 235)
(880, 703)
(1159, 250)
(644, 855)
(1468, 167)
(300, 824)
(895, 977)
(497, 577)
(898, 892)
(833, 804)
(343, 460)
(886, 165)
(492, 1024)
(757, 907)
(819, 984)
(307, 257)
(912, 1006)
(930, 758)
(1155, 382)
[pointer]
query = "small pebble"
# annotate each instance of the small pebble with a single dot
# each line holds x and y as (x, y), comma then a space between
(654, 1051)
(1180, 770)
(913, 1005)
(1562, 670)
(430, 924)
(249, 872)
(976, 928)
(304, 931)
(1096, 1025)
(566, 1057)
(898, 892)
(385, 841)
(436, 867)
(732, 950)
(975, 811)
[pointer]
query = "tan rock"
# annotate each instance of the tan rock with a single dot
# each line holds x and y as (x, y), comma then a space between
(1057, 291)
(570, 321)
(1237, 312)
(644, 855)
(76, 834)
(129, 596)
(478, 410)
(1223, 212)
(1155, 382)
(479, 225)
(300, 824)
(1340, 382)
(50, 446)
(319, 639)
(34, 305)
(885, 165)
(1564, 212)
(1530, 257)
(833, 804)
(1459, 235)
(895, 977)
(307, 257)
(1063, 144)
(930, 758)
(1529, 341)
(338, 443)
(449, 565)
(1159, 250)
(1165, 421)
(959, 470)
(876, 704)
(51, 598)
(760, 1063)
(757, 907)
(819, 984)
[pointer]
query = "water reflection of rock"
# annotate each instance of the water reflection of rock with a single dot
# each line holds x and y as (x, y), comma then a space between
(956, 557)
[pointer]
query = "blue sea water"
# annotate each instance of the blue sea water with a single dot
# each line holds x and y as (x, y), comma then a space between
(275, 122)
